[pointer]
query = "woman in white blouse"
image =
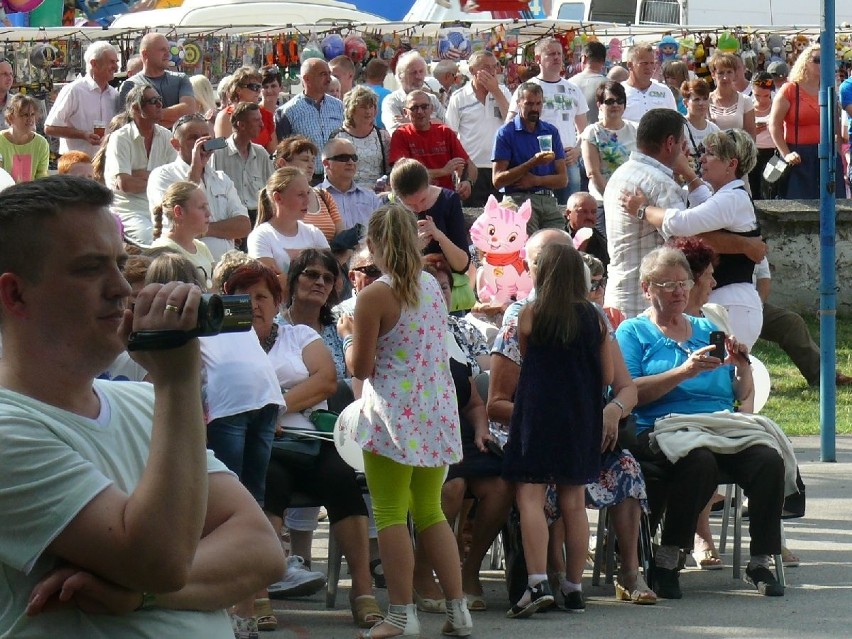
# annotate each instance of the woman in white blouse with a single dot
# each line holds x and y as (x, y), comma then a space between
(280, 234)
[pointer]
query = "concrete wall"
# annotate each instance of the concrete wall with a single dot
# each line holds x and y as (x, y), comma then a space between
(791, 228)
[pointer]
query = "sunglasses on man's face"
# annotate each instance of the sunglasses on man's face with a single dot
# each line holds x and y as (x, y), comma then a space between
(252, 86)
(611, 101)
(344, 157)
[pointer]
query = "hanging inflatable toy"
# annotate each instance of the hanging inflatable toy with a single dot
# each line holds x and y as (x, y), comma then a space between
(312, 50)
(176, 53)
(332, 46)
(355, 48)
(20, 6)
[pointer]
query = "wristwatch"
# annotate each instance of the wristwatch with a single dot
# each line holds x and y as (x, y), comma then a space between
(640, 214)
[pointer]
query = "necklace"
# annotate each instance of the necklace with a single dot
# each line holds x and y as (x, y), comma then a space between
(269, 341)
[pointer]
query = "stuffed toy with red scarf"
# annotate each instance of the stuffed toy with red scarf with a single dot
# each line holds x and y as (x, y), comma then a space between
(500, 234)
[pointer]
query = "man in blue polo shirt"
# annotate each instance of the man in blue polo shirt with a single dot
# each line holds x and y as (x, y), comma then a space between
(522, 170)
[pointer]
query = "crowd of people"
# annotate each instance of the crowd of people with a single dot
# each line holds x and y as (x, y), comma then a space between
(341, 221)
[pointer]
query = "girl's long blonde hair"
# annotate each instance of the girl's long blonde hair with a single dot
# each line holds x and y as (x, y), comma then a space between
(277, 182)
(177, 194)
(393, 231)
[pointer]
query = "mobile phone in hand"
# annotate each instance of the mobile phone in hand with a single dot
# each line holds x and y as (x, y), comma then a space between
(214, 143)
(717, 341)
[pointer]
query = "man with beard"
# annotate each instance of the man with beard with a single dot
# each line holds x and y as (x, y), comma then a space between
(522, 170)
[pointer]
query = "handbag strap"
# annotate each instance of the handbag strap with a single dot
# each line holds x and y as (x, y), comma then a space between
(797, 114)
(691, 139)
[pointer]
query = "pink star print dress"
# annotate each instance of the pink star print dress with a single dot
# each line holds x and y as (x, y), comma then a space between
(409, 410)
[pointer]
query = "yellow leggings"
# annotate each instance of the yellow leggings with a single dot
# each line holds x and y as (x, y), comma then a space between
(397, 488)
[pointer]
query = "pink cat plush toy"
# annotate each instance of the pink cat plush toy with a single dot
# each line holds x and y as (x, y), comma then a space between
(500, 233)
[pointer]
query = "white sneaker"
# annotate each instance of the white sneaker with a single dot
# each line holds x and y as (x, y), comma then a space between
(299, 580)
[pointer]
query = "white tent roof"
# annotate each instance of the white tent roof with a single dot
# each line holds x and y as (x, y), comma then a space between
(529, 29)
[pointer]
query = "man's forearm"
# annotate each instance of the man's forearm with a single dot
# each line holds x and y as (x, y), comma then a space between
(555, 181)
(507, 177)
(170, 115)
(68, 132)
(230, 229)
(165, 514)
(233, 561)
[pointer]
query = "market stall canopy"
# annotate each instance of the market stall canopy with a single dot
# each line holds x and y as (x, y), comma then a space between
(203, 13)
(527, 29)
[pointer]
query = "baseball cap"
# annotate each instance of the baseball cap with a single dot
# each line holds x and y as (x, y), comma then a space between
(778, 69)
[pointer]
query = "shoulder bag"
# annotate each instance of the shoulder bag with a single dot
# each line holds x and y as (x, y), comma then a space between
(777, 167)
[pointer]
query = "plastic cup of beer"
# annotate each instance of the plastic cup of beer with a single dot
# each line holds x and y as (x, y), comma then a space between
(99, 128)
(545, 143)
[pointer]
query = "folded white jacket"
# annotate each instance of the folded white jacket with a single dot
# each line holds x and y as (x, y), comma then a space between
(723, 432)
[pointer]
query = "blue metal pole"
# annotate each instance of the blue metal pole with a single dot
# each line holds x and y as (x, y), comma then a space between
(828, 276)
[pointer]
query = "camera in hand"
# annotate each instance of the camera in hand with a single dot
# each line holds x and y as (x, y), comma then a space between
(216, 314)
(223, 314)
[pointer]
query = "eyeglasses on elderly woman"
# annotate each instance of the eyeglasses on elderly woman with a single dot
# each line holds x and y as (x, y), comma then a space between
(671, 287)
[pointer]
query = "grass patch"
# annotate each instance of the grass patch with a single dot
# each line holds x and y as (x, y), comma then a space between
(794, 404)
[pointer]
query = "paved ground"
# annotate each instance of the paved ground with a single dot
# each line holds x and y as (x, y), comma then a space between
(818, 603)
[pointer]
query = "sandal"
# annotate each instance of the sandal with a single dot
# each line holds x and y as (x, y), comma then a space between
(266, 619)
(640, 593)
(708, 559)
(365, 611)
(476, 603)
(788, 558)
(434, 606)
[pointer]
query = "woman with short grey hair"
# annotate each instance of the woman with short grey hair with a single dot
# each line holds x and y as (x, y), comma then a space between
(372, 144)
(659, 260)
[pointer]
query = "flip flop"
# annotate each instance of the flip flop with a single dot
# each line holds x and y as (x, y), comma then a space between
(788, 558)
(476, 603)
(708, 560)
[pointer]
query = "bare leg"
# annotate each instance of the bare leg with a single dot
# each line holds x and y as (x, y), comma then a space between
(442, 551)
(705, 549)
(424, 578)
(452, 498)
(494, 500)
(530, 498)
(625, 520)
(397, 555)
(572, 503)
(351, 534)
(300, 544)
